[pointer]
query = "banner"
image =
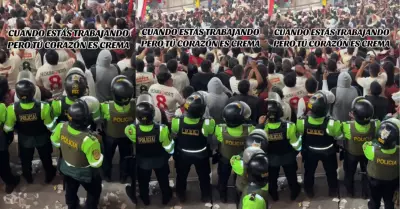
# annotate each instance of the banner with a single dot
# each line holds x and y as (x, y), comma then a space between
(141, 9)
(323, 2)
(130, 9)
(197, 3)
(271, 4)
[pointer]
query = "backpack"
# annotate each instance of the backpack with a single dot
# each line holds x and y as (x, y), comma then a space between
(93, 71)
(294, 102)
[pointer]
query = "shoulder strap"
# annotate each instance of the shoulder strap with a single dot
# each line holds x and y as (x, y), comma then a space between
(118, 69)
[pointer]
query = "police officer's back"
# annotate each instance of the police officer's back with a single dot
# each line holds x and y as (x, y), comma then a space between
(81, 153)
(383, 164)
(192, 147)
(318, 142)
(33, 122)
(154, 147)
(356, 133)
(232, 136)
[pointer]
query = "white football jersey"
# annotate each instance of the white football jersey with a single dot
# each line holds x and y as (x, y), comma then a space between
(143, 82)
(166, 98)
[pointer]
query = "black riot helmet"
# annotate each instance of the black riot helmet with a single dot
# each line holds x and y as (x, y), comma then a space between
(195, 106)
(75, 86)
(274, 111)
(122, 90)
(79, 115)
(318, 105)
(257, 138)
(388, 133)
(25, 90)
(257, 169)
(236, 114)
(362, 110)
(145, 113)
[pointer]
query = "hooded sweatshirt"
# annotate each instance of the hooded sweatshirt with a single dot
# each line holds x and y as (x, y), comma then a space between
(217, 98)
(105, 73)
(345, 94)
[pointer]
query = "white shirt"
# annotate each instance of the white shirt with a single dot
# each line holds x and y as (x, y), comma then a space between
(10, 70)
(32, 57)
(166, 98)
(235, 83)
(123, 64)
(276, 79)
(301, 81)
(52, 77)
(143, 82)
(181, 80)
(296, 91)
(366, 82)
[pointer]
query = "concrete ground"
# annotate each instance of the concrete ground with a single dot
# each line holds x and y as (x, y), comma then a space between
(41, 196)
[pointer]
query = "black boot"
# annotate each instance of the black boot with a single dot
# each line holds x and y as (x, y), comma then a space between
(274, 195)
(145, 200)
(181, 197)
(28, 178)
(131, 193)
(223, 195)
(49, 177)
(309, 192)
(295, 193)
(166, 198)
(333, 192)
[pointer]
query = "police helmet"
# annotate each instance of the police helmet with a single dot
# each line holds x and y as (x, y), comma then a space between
(318, 105)
(257, 169)
(254, 201)
(145, 113)
(236, 114)
(249, 152)
(79, 116)
(257, 138)
(274, 111)
(75, 86)
(122, 90)
(363, 110)
(195, 105)
(25, 90)
(388, 133)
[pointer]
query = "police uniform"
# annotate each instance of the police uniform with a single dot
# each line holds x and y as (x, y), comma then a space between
(232, 136)
(117, 114)
(283, 147)
(383, 164)
(33, 120)
(318, 143)
(356, 133)
(8, 178)
(153, 148)
(192, 146)
(81, 155)
(253, 201)
(258, 179)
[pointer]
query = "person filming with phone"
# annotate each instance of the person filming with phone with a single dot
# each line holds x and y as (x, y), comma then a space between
(376, 73)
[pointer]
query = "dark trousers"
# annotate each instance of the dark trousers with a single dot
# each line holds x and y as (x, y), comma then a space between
(125, 153)
(291, 176)
(224, 172)
(144, 176)
(26, 156)
(310, 165)
(350, 168)
(203, 170)
(382, 189)
(93, 190)
(5, 169)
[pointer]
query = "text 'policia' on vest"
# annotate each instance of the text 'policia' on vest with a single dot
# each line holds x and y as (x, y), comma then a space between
(153, 147)
(81, 152)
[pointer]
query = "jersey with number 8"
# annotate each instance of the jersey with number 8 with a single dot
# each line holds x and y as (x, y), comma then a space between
(165, 97)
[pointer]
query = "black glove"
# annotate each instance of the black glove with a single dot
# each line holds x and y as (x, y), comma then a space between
(215, 157)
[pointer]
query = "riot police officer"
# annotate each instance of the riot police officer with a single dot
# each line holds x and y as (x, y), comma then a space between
(75, 87)
(192, 146)
(383, 164)
(33, 120)
(318, 142)
(153, 149)
(356, 132)
(81, 153)
(117, 114)
(257, 138)
(8, 178)
(232, 136)
(257, 170)
(283, 147)
(239, 166)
